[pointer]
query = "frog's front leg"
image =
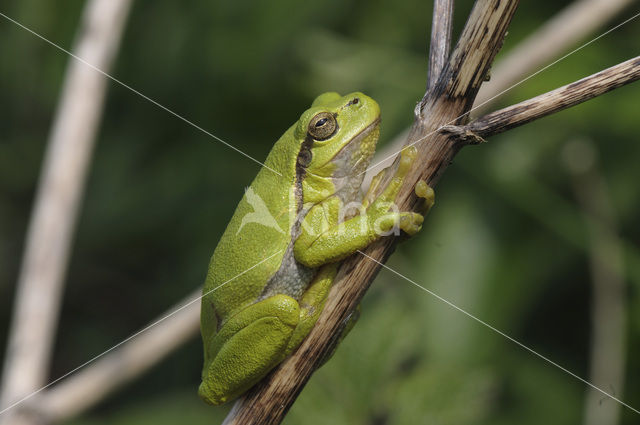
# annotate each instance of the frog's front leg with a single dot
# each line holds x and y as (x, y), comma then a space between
(317, 245)
(247, 347)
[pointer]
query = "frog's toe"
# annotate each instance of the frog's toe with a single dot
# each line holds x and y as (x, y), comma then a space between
(424, 191)
(407, 156)
(411, 222)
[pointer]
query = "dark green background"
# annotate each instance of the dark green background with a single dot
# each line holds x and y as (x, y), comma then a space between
(507, 240)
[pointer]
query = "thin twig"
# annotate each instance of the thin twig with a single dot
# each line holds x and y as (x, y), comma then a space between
(69, 148)
(268, 402)
(579, 19)
(557, 100)
(556, 36)
(91, 385)
(440, 39)
(608, 310)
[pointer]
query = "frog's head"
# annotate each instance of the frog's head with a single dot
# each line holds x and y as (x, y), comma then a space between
(339, 135)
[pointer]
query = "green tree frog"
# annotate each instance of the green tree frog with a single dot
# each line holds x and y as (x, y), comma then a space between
(271, 272)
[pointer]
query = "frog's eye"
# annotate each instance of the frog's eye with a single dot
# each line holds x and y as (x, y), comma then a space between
(322, 126)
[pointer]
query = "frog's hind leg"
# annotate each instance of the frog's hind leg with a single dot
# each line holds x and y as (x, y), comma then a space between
(312, 303)
(247, 347)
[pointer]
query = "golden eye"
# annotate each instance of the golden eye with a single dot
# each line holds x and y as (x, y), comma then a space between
(322, 126)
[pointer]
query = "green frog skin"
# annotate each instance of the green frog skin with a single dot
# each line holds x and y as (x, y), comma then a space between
(269, 277)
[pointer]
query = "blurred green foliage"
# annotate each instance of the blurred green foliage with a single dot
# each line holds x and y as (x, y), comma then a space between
(506, 242)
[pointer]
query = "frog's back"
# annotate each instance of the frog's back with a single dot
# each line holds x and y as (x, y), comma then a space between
(254, 242)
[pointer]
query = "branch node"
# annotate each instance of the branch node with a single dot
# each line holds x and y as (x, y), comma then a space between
(461, 134)
(417, 110)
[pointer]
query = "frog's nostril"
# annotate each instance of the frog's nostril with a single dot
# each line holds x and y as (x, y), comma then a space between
(353, 101)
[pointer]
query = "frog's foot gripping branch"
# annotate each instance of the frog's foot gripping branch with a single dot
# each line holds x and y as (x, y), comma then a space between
(409, 222)
(422, 189)
(380, 218)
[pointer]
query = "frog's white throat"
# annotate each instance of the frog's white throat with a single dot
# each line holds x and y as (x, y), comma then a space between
(352, 161)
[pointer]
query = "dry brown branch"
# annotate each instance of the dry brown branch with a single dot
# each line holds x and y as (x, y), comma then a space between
(59, 192)
(557, 100)
(453, 95)
(565, 29)
(608, 310)
(440, 43)
(556, 36)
